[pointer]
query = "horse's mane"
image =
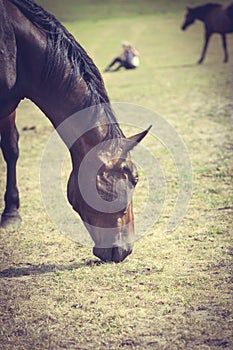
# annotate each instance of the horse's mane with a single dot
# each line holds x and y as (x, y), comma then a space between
(205, 9)
(61, 44)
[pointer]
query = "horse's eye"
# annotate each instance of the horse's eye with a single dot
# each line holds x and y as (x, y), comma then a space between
(135, 181)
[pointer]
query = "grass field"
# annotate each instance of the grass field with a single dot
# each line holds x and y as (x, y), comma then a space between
(174, 291)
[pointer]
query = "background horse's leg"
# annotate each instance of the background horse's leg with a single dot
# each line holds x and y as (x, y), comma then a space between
(224, 44)
(207, 38)
(10, 150)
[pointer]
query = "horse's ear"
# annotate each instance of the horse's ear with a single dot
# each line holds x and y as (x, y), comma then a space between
(135, 139)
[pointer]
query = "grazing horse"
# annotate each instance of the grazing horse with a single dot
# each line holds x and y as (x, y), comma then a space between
(40, 60)
(216, 18)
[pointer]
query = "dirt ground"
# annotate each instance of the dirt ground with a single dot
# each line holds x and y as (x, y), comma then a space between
(174, 291)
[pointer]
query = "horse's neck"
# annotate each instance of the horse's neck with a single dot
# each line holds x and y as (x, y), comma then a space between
(202, 11)
(56, 104)
(53, 97)
(200, 14)
(63, 105)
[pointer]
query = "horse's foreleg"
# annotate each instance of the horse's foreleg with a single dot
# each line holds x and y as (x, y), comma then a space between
(10, 150)
(207, 38)
(224, 44)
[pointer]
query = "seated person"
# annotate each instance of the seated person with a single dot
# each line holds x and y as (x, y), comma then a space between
(129, 59)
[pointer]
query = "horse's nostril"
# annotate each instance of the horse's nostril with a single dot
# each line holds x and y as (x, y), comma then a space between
(119, 254)
(104, 254)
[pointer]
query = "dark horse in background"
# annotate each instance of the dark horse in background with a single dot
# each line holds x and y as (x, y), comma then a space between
(40, 60)
(216, 19)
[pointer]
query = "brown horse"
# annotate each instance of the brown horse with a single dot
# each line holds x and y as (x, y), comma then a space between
(40, 60)
(216, 18)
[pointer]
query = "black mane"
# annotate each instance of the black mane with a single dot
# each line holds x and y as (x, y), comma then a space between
(205, 9)
(61, 44)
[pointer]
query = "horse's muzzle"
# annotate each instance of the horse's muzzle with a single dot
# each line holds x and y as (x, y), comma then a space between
(115, 254)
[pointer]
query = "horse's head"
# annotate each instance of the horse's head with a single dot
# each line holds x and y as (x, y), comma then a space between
(189, 18)
(101, 192)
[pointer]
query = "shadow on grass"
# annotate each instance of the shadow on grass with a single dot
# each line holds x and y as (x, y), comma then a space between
(40, 269)
(190, 65)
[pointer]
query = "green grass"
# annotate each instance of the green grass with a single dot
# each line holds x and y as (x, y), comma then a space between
(173, 292)
(78, 10)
